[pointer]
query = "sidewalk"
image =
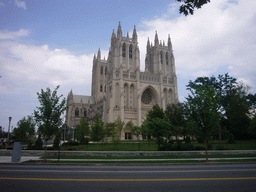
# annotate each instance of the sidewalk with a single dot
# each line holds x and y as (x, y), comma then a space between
(8, 159)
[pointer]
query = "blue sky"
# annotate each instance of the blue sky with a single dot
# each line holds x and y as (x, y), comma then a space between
(52, 42)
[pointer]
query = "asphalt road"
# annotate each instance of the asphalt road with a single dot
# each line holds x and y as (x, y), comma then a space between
(194, 177)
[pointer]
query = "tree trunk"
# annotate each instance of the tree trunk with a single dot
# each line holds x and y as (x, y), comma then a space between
(206, 152)
(45, 150)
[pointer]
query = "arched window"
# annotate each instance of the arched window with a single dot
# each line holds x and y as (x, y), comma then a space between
(161, 56)
(130, 51)
(101, 70)
(85, 112)
(123, 50)
(105, 88)
(101, 88)
(77, 112)
(106, 69)
(166, 58)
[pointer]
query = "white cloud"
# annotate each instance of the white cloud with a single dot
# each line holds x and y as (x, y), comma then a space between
(7, 35)
(218, 38)
(20, 4)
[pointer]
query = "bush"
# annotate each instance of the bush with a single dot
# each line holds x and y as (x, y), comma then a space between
(220, 147)
(231, 139)
(200, 140)
(199, 148)
(187, 140)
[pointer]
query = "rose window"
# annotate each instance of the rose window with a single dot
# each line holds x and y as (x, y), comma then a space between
(146, 97)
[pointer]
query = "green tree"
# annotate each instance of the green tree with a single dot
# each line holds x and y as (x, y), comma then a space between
(188, 6)
(83, 130)
(252, 128)
(204, 104)
(48, 115)
(109, 129)
(119, 125)
(157, 124)
(235, 102)
(25, 130)
(175, 114)
(97, 132)
(136, 130)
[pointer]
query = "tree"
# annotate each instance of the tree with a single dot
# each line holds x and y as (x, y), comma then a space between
(48, 114)
(136, 130)
(175, 113)
(83, 130)
(204, 105)
(97, 133)
(25, 130)
(157, 124)
(119, 125)
(235, 102)
(188, 6)
(109, 129)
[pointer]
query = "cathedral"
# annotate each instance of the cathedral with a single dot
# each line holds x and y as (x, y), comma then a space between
(120, 89)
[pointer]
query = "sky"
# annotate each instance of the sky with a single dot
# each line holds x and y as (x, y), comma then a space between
(52, 42)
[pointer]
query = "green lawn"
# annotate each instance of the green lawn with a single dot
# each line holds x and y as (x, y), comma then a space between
(152, 146)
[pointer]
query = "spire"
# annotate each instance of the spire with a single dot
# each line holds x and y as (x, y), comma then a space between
(163, 43)
(169, 42)
(99, 54)
(160, 43)
(134, 35)
(94, 57)
(148, 43)
(127, 35)
(113, 37)
(119, 31)
(156, 40)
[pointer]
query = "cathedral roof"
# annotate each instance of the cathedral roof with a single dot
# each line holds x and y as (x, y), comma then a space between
(83, 99)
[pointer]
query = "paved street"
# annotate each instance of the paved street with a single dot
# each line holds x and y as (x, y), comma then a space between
(194, 177)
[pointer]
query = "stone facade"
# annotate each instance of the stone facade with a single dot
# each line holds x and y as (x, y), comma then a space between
(119, 88)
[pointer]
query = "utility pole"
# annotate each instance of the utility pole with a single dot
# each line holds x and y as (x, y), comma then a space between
(8, 139)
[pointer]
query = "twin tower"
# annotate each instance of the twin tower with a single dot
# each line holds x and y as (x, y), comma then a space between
(120, 89)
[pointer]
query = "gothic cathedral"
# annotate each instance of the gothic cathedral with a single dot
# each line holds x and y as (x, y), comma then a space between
(120, 89)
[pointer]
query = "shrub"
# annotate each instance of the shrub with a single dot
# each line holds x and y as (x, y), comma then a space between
(220, 147)
(200, 140)
(187, 140)
(231, 139)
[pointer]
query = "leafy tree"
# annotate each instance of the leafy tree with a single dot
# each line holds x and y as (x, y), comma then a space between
(56, 141)
(136, 130)
(83, 130)
(175, 114)
(25, 130)
(109, 129)
(188, 6)
(157, 124)
(235, 102)
(39, 143)
(48, 114)
(252, 128)
(203, 103)
(97, 129)
(159, 128)
(119, 125)
(144, 129)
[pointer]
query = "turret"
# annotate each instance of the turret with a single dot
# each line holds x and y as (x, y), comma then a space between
(134, 35)
(113, 37)
(148, 45)
(169, 43)
(156, 40)
(119, 31)
(99, 55)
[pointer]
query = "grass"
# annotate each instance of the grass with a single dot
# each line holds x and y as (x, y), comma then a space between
(152, 157)
(135, 145)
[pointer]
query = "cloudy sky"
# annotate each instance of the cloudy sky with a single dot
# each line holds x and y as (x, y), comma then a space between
(52, 42)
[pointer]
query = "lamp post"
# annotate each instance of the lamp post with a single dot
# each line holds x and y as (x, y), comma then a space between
(10, 119)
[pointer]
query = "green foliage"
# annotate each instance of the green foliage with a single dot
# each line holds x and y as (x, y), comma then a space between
(109, 129)
(39, 143)
(188, 6)
(83, 130)
(48, 114)
(175, 114)
(97, 132)
(252, 128)
(136, 130)
(25, 130)
(119, 125)
(231, 139)
(57, 139)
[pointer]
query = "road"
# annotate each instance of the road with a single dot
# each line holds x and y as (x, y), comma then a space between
(193, 177)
